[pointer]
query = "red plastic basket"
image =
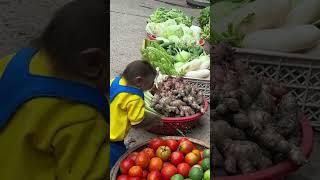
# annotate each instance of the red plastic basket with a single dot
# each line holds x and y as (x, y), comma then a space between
(153, 37)
(281, 170)
(177, 125)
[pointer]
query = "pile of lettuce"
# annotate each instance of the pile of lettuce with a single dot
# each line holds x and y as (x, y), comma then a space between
(162, 14)
(180, 34)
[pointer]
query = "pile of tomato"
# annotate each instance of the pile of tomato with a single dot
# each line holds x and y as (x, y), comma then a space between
(167, 160)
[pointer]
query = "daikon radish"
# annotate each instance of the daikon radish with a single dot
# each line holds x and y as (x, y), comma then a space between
(314, 51)
(205, 65)
(190, 66)
(306, 12)
(266, 14)
(204, 73)
(289, 39)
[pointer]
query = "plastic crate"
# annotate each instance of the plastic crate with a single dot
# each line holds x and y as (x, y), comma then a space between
(300, 73)
(203, 86)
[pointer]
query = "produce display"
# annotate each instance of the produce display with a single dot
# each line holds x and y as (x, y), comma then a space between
(167, 159)
(276, 25)
(255, 120)
(175, 98)
(177, 45)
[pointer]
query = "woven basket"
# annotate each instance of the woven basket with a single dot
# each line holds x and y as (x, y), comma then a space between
(300, 73)
(115, 170)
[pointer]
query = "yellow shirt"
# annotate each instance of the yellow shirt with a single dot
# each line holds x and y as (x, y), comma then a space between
(53, 139)
(125, 110)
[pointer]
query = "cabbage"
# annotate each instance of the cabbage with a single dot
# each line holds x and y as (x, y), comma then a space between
(169, 22)
(173, 38)
(155, 28)
(172, 30)
(188, 40)
(180, 34)
(183, 56)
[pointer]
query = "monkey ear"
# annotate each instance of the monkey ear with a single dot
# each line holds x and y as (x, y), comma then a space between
(93, 62)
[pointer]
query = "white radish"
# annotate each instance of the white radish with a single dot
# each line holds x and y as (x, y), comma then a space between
(267, 14)
(289, 39)
(205, 65)
(306, 12)
(190, 66)
(205, 62)
(204, 73)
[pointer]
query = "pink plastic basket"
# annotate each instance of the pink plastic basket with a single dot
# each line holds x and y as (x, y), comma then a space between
(281, 170)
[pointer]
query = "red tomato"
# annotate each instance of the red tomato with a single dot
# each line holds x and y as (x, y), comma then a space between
(166, 164)
(200, 162)
(183, 139)
(154, 175)
(142, 160)
(172, 144)
(135, 171)
(183, 169)
(163, 152)
(125, 165)
(135, 178)
(144, 173)
(133, 156)
(177, 158)
(156, 142)
(191, 159)
(123, 177)
(150, 152)
(185, 147)
(168, 171)
(155, 164)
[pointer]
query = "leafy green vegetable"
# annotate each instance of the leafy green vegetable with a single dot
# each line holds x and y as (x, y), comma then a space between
(174, 30)
(206, 31)
(183, 56)
(204, 17)
(162, 14)
(158, 57)
(232, 37)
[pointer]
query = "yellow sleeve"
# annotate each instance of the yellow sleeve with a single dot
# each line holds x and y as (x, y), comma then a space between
(135, 111)
(81, 151)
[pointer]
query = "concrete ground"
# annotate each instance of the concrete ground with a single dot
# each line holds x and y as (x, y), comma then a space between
(128, 22)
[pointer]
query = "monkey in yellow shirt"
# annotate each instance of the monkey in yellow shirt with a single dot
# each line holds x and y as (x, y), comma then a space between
(127, 103)
(53, 120)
